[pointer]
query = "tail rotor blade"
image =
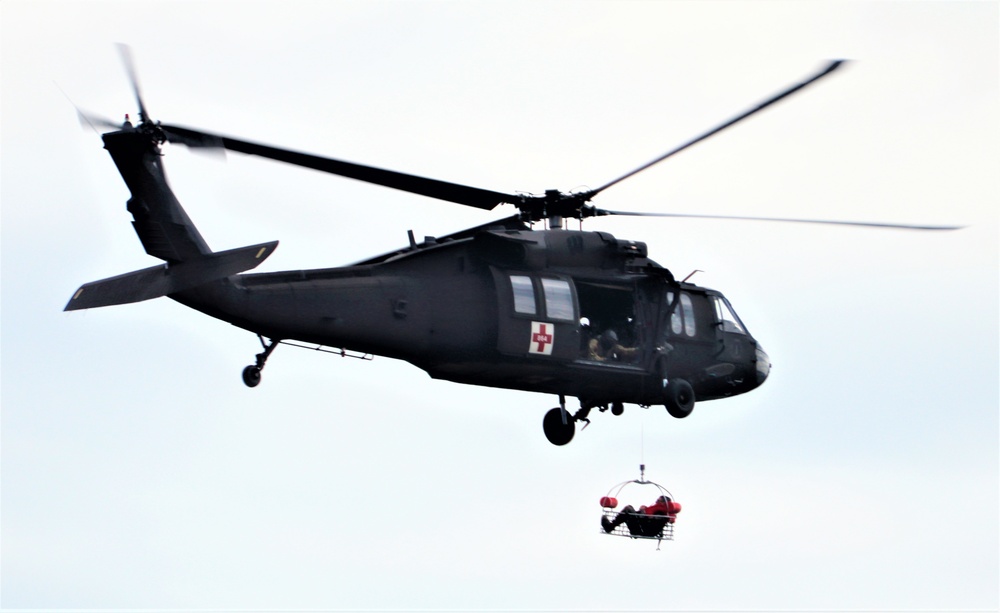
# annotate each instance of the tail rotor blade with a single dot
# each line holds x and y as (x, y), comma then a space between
(96, 121)
(89, 119)
(126, 54)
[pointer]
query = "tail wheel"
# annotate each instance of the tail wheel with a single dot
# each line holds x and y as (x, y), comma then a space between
(559, 426)
(679, 398)
(251, 376)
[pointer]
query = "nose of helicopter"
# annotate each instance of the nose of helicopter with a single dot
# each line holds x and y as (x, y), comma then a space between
(763, 365)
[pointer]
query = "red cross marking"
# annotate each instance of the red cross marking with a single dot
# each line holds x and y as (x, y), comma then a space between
(542, 337)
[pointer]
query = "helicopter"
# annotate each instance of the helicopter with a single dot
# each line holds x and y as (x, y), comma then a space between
(572, 313)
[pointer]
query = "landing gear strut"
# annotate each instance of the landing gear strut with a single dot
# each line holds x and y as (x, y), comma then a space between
(251, 374)
(560, 426)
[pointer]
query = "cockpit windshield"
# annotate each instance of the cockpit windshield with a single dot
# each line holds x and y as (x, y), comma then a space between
(727, 317)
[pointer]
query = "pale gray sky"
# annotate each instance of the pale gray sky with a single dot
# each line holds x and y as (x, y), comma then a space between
(139, 472)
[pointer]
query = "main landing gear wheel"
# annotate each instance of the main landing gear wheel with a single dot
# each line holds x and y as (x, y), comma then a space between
(678, 397)
(559, 426)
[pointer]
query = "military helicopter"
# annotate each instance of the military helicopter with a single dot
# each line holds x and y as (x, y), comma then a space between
(578, 314)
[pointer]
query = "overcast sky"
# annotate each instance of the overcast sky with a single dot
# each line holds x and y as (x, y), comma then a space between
(139, 472)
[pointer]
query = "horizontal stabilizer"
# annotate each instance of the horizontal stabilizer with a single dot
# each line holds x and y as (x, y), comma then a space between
(168, 278)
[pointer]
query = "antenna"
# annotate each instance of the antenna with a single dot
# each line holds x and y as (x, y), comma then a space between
(693, 272)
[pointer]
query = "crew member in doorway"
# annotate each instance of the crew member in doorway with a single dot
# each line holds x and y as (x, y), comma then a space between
(606, 348)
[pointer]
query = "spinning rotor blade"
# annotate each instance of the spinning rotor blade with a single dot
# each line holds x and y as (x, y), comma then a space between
(442, 190)
(126, 52)
(96, 121)
(553, 203)
(791, 90)
(89, 119)
(783, 219)
(433, 188)
(532, 208)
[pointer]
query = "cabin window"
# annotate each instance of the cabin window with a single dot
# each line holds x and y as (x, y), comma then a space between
(727, 317)
(524, 294)
(682, 318)
(558, 299)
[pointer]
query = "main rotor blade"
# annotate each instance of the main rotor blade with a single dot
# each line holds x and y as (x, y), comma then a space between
(433, 188)
(126, 52)
(866, 224)
(791, 90)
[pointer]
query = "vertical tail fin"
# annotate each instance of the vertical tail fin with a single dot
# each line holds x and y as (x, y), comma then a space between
(164, 228)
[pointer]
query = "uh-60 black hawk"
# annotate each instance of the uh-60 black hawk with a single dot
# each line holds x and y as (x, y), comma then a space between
(559, 311)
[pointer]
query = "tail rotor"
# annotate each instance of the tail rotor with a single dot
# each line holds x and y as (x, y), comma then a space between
(126, 54)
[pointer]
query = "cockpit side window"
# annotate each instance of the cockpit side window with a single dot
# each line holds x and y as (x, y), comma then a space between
(676, 319)
(682, 318)
(727, 317)
(524, 294)
(688, 309)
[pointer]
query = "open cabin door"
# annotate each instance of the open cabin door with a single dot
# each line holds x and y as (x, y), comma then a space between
(538, 315)
(610, 306)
